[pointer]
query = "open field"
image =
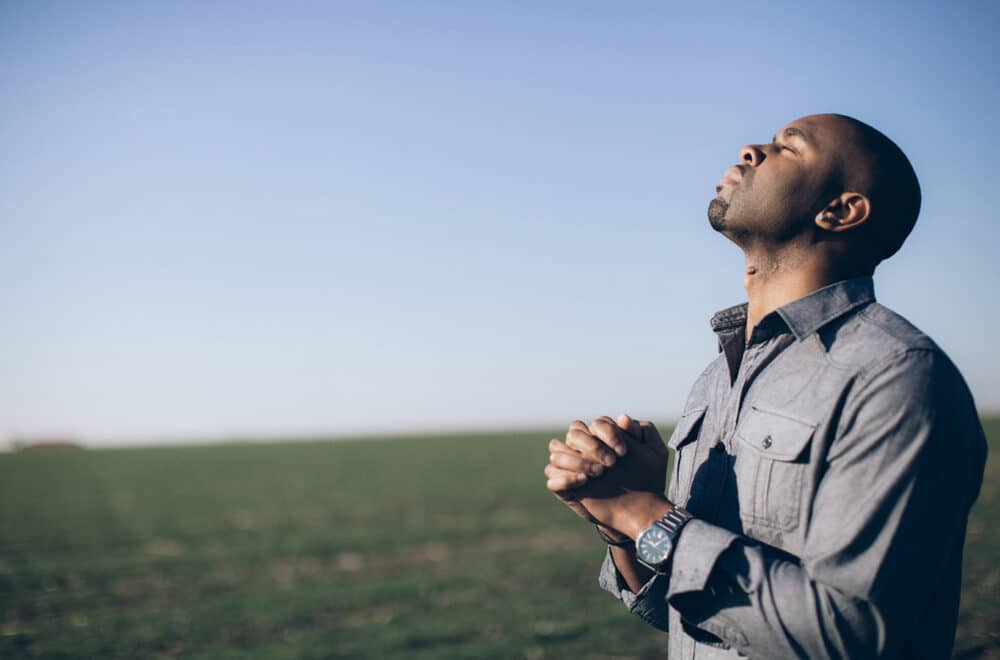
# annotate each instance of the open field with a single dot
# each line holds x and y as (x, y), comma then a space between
(445, 547)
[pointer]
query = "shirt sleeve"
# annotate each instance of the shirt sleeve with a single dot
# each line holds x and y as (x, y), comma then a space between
(649, 603)
(900, 478)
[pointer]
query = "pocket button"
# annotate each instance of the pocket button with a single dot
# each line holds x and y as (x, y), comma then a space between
(766, 441)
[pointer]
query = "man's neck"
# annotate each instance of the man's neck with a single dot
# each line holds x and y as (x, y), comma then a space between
(773, 282)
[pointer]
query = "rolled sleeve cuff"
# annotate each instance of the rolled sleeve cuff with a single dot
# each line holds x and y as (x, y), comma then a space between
(698, 548)
(649, 603)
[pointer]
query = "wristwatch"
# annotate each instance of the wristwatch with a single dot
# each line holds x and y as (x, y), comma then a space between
(655, 543)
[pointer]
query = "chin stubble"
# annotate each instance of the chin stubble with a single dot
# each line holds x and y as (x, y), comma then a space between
(717, 213)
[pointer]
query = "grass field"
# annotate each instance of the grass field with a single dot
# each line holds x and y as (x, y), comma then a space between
(445, 547)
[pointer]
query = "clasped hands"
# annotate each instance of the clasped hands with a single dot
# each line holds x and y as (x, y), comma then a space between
(611, 473)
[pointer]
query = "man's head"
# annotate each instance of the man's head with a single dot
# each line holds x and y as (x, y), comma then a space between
(823, 179)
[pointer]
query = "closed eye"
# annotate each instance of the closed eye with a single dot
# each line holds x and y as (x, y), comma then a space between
(784, 147)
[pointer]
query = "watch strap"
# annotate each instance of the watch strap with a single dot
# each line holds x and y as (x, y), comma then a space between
(672, 522)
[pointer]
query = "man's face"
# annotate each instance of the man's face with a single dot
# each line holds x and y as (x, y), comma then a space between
(776, 189)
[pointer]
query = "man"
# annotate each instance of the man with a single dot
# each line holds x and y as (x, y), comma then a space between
(827, 459)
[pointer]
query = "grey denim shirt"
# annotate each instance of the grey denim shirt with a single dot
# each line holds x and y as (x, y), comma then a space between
(830, 461)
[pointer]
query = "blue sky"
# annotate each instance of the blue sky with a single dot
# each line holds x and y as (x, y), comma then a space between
(224, 219)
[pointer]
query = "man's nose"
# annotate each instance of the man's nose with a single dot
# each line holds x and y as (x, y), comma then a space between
(751, 155)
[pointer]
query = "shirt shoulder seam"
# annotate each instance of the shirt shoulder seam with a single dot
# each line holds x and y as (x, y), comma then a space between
(866, 372)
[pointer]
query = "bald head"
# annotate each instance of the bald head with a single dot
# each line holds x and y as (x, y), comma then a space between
(871, 164)
(826, 184)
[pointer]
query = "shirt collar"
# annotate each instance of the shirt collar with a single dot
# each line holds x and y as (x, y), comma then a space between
(809, 313)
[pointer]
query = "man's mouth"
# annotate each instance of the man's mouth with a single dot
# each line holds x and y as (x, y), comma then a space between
(732, 177)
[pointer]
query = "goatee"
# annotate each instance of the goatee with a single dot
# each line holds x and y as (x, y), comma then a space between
(717, 213)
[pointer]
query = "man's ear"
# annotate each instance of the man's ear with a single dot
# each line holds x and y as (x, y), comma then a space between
(847, 211)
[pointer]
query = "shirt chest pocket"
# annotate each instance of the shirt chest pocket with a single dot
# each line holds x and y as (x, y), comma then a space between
(770, 467)
(683, 442)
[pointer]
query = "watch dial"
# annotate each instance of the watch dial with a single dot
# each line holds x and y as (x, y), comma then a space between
(654, 545)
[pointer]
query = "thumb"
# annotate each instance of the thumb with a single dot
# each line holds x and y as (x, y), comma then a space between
(648, 432)
(630, 426)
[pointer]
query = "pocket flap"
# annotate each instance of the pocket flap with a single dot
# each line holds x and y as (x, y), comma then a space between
(686, 428)
(774, 434)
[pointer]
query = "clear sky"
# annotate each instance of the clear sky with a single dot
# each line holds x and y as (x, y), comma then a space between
(281, 218)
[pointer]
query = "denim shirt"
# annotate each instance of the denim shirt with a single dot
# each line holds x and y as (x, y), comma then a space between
(830, 462)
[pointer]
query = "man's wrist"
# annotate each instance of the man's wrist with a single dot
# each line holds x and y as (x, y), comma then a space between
(612, 536)
(643, 511)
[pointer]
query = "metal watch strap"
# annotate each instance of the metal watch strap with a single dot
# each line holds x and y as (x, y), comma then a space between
(673, 521)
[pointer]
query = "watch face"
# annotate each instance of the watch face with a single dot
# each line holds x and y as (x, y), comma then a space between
(653, 546)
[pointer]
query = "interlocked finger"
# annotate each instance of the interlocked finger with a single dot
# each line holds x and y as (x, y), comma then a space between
(590, 446)
(575, 462)
(631, 427)
(560, 480)
(608, 432)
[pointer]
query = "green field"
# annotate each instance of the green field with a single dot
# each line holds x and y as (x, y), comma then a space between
(445, 547)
